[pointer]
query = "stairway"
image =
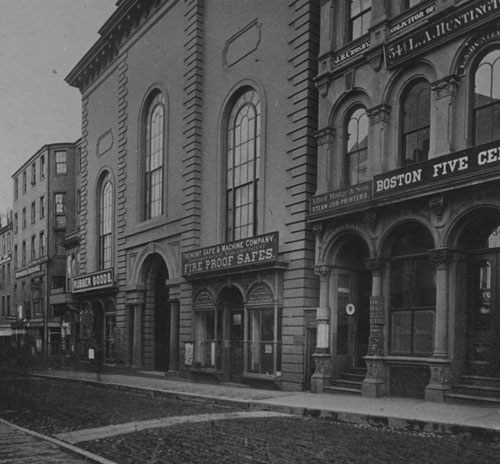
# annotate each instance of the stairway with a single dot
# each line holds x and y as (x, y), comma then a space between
(475, 390)
(349, 382)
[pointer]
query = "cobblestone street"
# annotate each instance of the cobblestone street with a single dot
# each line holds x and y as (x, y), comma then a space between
(200, 432)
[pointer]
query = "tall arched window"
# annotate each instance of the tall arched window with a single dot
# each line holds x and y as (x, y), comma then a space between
(153, 182)
(106, 223)
(487, 99)
(357, 146)
(243, 164)
(416, 122)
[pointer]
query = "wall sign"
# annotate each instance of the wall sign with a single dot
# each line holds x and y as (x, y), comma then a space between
(28, 271)
(94, 281)
(340, 198)
(241, 253)
(351, 52)
(350, 309)
(459, 164)
(452, 25)
(411, 19)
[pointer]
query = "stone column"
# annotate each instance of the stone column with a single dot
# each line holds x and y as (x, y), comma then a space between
(322, 356)
(445, 92)
(326, 167)
(441, 365)
(173, 364)
(135, 301)
(379, 122)
(374, 384)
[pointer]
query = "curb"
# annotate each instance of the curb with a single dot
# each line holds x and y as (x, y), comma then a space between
(376, 421)
(61, 444)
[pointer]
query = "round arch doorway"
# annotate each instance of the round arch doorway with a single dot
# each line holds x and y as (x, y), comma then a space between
(480, 239)
(157, 316)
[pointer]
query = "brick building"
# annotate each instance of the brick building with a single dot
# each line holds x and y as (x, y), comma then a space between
(43, 208)
(407, 211)
(7, 311)
(197, 163)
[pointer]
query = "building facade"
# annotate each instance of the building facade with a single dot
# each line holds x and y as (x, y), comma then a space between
(7, 315)
(43, 208)
(407, 210)
(197, 163)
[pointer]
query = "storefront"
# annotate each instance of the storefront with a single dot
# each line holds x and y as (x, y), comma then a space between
(408, 271)
(237, 310)
(94, 331)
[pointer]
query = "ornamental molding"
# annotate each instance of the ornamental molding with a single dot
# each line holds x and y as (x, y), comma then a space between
(325, 135)
(380, 113)
(446, 87)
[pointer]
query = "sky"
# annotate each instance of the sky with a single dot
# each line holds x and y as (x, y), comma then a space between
(40, 43)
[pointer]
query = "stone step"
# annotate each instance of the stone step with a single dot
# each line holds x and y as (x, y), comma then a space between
(461, 398)
(342, 390)
(477, 390)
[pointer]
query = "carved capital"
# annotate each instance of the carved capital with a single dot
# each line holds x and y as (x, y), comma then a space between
(437, 206)
(380, 113)
(322, 85)
(319, 230)
(441, 256)
(446, 87)
(375, 264)
(322, 270)
(325, 135)
(375, 58)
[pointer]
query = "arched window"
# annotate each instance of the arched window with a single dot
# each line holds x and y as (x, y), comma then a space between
(416, 122)
(487, 99)
(105, 223)
(153, 169)
(357, 146)
(243, 165)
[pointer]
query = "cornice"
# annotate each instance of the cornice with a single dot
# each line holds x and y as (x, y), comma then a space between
(129, 16)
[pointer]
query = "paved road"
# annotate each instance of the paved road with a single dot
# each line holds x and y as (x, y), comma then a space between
(18, 446)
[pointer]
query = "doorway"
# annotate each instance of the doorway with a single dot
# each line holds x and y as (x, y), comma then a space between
(483, 315)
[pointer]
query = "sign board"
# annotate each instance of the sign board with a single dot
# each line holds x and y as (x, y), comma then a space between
(350, 309)
(28, 271)
(458, 164)
(241, 253)
(472, 15)
(340, 198)
(413, 18)
(94, 281)
(351, 52)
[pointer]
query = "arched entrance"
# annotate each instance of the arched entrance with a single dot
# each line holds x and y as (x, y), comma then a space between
(351, 296)
(231, 301)
(157, 316)
(480, 239)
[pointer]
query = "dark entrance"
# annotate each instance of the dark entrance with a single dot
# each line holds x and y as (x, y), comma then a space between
(353, 302)
(162, 322)
(483, 318)
(231, 302)
(481, 239)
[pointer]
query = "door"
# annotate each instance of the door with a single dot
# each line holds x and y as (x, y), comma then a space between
(483, 315)
(236, 334)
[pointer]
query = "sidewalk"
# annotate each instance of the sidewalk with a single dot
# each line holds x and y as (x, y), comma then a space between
(400, 413)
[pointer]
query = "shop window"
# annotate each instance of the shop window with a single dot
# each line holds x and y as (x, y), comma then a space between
(357, 146)
(154, 154)
(487, 99)
(106, 223)
(264, 341)
(208, 336)
(360, 13)
(416, 115)
(412, 301)
(243, 166)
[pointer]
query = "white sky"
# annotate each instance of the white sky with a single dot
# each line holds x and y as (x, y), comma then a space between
(40, 42)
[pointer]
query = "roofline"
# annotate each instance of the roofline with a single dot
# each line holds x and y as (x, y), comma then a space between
(40, 150)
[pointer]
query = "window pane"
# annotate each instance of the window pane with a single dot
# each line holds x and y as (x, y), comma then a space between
(401, 332)
(423, 333)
